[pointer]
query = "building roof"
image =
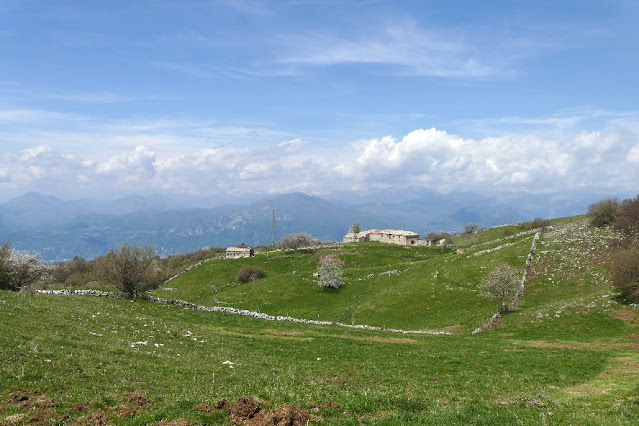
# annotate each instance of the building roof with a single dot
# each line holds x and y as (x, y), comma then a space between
(238, 249)
(383, 231)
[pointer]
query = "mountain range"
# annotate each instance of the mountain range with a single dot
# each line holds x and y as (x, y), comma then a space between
(59, 229)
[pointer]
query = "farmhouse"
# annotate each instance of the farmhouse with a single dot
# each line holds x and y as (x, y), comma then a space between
(391, 236)
(238, 252)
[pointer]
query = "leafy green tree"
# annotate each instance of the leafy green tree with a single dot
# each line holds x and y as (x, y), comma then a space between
(356, 228)
(132, 269)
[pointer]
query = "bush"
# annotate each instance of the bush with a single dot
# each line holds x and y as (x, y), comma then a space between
(625, 271)
(534, 224)
(19, 270)
(247, 274)
(627, 220)
(132, 269)
(603, 212)
(471, 228)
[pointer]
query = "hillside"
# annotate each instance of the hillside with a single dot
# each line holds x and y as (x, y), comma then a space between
(567, 355)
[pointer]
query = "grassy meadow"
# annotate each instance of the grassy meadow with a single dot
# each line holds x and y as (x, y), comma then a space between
(569, 354)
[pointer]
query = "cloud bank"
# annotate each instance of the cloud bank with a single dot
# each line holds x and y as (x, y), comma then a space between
(596, 160)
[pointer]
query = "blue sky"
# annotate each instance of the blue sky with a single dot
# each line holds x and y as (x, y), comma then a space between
(237, 97)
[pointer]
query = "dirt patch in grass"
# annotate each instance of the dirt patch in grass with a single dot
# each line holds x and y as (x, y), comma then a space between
(619, 374)
(284, 332)
(133, 403)
(98, 418)
(287, 334)
(379, 339)
(630, 317)
(248, 411)
(580, 345)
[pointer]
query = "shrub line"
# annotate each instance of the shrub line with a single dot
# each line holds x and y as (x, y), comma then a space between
(243, 312)
(520, 292)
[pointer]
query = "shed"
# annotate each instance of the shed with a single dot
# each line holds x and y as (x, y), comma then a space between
(239, 252)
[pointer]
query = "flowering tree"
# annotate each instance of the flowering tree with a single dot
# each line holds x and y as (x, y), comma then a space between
(19, 269)
(501, 285)
(330, 272)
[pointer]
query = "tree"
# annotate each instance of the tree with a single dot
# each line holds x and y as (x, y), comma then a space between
(19, 269)
(470, 228)
(296, 241)
(356, 228)
(330, 272)
(501, 285)
(132, 269)
(627, 219)
(624, 270)
(603, 212)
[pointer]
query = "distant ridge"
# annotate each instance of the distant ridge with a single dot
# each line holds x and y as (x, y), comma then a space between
(61, 229)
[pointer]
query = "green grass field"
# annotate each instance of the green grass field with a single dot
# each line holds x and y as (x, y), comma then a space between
(568, 355)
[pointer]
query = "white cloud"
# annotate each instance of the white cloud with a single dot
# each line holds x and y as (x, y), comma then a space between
(602, 160)
(401, 44)
(633, 154)
(511, 162)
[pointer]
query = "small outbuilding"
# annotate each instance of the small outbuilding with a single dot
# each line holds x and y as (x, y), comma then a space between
(239, 252)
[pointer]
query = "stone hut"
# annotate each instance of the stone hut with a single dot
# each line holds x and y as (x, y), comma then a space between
(239, 252)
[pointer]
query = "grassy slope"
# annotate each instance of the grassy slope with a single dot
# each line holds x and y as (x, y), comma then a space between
(568, 355)
(435, 289)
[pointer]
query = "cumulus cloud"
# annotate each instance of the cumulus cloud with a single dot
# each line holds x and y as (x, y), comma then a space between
(512, 162)
(601, 160)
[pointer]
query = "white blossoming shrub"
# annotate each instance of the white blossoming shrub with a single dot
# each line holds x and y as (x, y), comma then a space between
(19, 270)
(330, 272)
(501, 285)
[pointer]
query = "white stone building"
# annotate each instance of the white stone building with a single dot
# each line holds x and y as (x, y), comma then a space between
(239, 252)
(390, 236)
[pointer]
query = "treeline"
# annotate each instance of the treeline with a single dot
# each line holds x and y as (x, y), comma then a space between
(133, 269)
(623, 259)
(20, 271)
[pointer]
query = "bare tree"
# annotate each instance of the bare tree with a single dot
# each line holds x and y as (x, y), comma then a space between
(296, 241)
(19, 270)
(330, 272)
(627, 219)
(470, 228)
(624, 270)
(501, 285)
(132, 269)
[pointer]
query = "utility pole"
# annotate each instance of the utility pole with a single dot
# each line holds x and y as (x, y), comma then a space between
(273, 226)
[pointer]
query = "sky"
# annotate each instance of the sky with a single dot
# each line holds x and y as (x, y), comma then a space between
(207, 98)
